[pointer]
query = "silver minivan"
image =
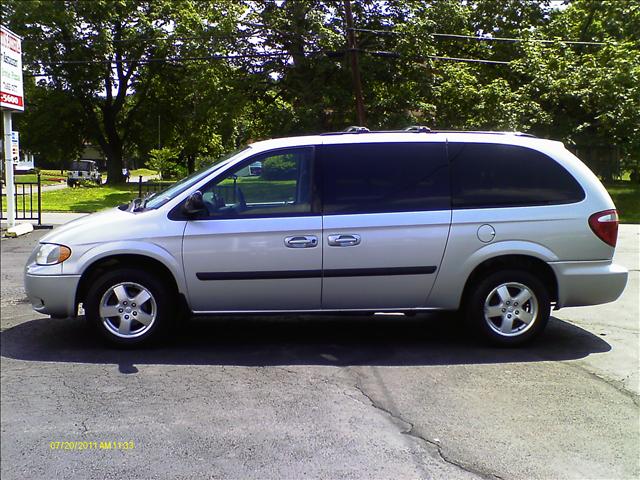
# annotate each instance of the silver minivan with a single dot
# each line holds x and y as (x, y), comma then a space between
(503, 226)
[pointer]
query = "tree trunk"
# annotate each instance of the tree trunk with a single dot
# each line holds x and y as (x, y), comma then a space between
(112, 149)
(114, 167)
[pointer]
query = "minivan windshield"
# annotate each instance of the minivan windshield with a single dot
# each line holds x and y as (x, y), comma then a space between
(160, 198)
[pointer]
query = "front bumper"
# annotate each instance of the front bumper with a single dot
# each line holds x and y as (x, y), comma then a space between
(53, 295)
(588, 283)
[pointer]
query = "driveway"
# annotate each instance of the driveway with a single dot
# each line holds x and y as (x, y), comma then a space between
(321, 397)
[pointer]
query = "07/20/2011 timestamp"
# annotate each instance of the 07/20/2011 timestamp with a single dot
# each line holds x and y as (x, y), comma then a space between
(89, 445)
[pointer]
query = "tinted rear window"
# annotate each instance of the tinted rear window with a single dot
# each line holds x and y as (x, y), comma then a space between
(490, 175)
(384, 177)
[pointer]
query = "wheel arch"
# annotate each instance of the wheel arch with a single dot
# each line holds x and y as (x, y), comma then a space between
(534, 265)
(127, 260)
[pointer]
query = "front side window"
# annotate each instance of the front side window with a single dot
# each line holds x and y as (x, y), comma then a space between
(273, 184)
(160, 198)
(384, 177)
(492, 175)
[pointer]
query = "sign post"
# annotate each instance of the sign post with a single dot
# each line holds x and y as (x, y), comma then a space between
(11, 99)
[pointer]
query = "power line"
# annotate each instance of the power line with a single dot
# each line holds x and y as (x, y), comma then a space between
(265, 55)
(468, 60)
(244, 34)
(517, 40)
(176, 59)
(484, 38)
(210, 36)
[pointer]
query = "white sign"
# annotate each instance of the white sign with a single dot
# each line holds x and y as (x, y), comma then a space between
(11, 94)
(15, 146)
(26, 163)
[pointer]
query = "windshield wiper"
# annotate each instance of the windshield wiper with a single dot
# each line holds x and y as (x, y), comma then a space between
(139, 204)
(134, 204)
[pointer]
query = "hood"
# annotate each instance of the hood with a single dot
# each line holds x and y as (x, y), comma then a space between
(97, 227)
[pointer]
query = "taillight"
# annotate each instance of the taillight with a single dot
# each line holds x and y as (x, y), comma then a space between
(605, 225)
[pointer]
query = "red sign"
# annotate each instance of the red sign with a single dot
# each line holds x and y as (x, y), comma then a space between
(11, 95)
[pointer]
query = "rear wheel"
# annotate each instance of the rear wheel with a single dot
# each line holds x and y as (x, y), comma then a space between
(129, 307)
(509, 307)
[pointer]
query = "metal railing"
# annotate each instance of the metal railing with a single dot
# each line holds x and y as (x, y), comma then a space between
(28, 200)
(228, 192)
(151, 187)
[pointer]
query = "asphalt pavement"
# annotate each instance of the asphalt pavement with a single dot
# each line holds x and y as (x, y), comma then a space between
(386, 397)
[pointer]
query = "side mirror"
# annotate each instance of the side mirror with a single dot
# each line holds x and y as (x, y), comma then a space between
(194, 204)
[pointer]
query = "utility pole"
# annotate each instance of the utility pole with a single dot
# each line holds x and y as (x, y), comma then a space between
(352, 48)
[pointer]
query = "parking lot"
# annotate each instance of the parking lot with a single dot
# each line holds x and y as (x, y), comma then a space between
(382, 396)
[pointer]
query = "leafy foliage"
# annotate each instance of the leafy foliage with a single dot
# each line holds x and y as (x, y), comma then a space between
(202, 78)
(282, 167)
(163, 161)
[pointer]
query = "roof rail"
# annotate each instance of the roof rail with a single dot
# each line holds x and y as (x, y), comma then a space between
(423, 129)
(518, 134)
(351, 129)
(418, 129)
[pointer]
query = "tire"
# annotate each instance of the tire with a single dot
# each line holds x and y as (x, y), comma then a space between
(110, 307)
(496, 309)
(70, 183)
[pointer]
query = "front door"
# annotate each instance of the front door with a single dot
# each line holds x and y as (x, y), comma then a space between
(258, 246)
(387, 213)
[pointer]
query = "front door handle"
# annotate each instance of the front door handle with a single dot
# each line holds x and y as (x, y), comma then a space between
(342, 240)
(301, 241)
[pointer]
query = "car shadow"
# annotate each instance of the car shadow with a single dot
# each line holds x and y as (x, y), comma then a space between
(434, 339)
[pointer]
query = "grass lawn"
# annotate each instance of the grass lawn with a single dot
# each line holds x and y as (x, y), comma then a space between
(626, 196)
(87, 199)
(47, 179)
(56, 172)
(145, 172)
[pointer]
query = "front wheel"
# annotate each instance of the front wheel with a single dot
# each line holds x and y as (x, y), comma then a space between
(509, 307)
(129, 307)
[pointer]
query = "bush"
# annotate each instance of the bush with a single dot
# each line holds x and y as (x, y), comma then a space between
(283, 167)
(163, 161)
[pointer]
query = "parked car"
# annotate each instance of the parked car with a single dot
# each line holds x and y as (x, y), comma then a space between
(83, 171)
(502, 226)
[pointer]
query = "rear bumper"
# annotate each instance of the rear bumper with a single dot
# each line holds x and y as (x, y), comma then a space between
(53, 295)
(588, 283)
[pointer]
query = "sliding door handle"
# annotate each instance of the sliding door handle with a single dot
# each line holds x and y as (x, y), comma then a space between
(301, 241)
(342, 240)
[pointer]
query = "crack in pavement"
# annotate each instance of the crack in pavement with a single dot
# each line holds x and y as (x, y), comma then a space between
(410, 431)
(618, 385)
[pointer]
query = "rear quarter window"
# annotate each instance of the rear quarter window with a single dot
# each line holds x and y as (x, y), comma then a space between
(494, 175)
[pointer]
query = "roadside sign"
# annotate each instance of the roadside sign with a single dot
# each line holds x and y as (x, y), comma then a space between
(15, 146)
(11, 92)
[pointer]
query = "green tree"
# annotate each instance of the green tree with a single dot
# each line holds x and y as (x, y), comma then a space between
(163, 160)
(98, 51)
(51, 125)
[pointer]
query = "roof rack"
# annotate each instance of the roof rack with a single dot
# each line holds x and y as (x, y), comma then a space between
(356, 129)
(418, 129)
(348, 130)
(423, 129)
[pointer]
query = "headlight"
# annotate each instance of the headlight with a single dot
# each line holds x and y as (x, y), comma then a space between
(51, 254)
